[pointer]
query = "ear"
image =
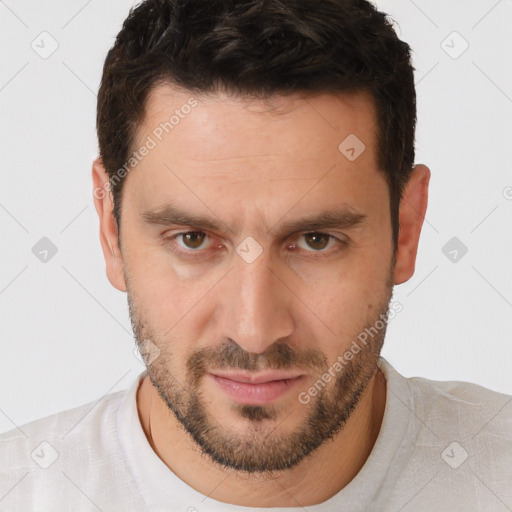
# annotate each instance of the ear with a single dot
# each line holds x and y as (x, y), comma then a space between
(108, 226)
(413, 206)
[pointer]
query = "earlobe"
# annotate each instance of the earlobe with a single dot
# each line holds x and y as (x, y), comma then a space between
(413, 206)
(108, 226)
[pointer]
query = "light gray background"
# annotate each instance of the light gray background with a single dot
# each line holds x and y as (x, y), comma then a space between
(65, 332)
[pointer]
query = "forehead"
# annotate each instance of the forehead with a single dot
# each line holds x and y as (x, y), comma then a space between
(294, 127)
(261, 152)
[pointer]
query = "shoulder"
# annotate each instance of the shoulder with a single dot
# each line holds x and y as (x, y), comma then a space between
(457, 447)
(467, 421)
(86, 425)
(455, 406)
(450, 416)
(61, 458)
(463, 406)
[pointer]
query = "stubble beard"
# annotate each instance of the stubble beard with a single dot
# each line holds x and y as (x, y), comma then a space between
(260, 448)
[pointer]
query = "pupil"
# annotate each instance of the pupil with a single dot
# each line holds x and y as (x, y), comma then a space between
(317, 240)
(193, 239)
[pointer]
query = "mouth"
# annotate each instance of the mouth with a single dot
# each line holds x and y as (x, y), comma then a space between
(260, 388)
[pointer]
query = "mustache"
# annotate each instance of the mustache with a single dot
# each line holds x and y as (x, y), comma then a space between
(230, 355)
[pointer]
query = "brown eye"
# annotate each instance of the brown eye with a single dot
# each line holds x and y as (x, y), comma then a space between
(317, 241)
(193, 239)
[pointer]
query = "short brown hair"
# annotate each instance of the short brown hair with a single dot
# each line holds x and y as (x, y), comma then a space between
(260, 48)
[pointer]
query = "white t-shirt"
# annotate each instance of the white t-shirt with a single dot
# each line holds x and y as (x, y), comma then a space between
(443, 446)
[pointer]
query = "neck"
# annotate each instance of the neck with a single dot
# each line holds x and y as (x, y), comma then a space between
(308, 483)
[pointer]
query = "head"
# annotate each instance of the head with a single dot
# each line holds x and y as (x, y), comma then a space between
(257, 202)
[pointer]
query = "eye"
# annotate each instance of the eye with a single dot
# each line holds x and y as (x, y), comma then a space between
(191, 239)
(193, 245)
(317, 242)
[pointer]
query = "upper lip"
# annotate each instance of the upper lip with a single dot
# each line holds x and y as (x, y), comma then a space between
(257, 378)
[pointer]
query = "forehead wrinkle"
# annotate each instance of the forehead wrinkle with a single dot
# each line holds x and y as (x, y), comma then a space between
(240, 157)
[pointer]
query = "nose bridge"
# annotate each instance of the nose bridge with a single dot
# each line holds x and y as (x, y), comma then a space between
(255, 306)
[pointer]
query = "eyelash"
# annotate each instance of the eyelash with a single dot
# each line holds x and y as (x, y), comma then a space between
(198, 253)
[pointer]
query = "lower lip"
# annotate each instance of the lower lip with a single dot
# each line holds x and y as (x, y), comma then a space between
(256, 394)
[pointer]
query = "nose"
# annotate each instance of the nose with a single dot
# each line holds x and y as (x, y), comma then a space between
(254, 306)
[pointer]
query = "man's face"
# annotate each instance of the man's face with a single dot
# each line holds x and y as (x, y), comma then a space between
(255, 248)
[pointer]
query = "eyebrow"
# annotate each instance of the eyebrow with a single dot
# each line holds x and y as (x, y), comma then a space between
(340, 218)
(168, 215)
(337, 218)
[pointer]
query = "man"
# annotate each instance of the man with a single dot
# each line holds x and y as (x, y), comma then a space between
(258, 200)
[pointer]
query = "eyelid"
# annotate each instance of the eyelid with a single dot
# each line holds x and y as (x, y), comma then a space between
(340, 242)
(331, 240)
(176, 236)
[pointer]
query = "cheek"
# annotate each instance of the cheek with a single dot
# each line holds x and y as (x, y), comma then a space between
(171, 304)
(348, 296)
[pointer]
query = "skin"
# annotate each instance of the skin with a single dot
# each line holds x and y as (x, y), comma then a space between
(251, 165)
